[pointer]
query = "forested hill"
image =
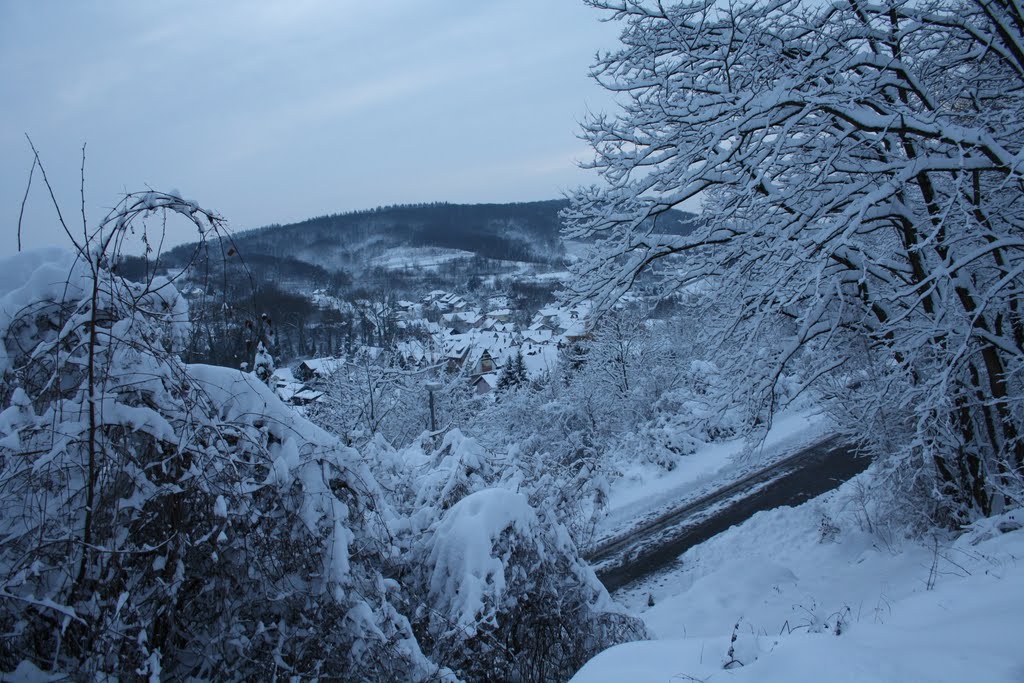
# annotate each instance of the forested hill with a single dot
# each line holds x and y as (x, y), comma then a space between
(352, 242)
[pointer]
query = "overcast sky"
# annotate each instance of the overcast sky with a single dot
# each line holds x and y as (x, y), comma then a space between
(271, 112)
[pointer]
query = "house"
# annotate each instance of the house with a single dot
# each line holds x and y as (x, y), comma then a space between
(315, 368)
(576, 331)
(445, 302)
(432, 297)
(538, 335)
(407, 310)
(416, 354)
(485, 364)
(463, 320)
(484, 384)
(306, 396)
(502, 315)
(566, 325)
(292, 391)
(456, 352)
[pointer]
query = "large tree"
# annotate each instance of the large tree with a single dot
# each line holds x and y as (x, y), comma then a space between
(860, 165)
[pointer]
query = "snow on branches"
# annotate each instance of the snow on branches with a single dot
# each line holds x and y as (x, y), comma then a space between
(165, 520)
(158, 519)
(860, 166)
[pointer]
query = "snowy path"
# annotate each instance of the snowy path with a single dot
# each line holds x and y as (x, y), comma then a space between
(657, 541)
(647, 492)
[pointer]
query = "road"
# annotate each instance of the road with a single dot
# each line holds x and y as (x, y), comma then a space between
(807, 473)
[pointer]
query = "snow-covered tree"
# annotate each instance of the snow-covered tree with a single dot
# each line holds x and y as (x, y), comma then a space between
(263, 365)
(513, 375)
(509, 598)
(493, 582)
(367, 397)
(860, 167)
(160, 520)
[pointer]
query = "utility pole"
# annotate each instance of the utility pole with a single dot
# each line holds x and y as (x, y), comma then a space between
(431, 388)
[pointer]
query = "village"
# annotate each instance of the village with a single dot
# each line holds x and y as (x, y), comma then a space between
(444, 333)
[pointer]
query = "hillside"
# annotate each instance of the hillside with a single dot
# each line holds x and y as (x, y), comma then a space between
(414, 236)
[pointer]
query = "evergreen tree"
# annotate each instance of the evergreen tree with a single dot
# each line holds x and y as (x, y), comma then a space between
(514, 374)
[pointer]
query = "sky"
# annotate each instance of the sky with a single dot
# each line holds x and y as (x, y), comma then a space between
(271, 112)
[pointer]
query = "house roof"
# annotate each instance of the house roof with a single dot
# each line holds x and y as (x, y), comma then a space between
(323, 366)
(309, 395)
(283, 375)
(490, 379)
(539, 359)
(538, 334)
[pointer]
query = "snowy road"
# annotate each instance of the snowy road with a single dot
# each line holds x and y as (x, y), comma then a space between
(805, 474)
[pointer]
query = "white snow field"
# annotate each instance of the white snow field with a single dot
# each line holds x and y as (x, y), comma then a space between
(831, 602)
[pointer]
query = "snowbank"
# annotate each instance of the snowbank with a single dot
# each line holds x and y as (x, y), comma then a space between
(903, 611)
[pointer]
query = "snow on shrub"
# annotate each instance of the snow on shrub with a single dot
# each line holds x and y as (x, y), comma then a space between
(460, 466)
(163, 520)
(507, 596)
(471, 545)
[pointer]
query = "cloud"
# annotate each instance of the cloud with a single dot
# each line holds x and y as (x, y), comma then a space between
(271, 111)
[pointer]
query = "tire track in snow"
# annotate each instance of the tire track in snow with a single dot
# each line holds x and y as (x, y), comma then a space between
(809, 472)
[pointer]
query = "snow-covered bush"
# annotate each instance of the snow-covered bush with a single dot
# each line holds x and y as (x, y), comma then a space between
(554, 447)
(165, 520)
(689, 415)
(492, 580)
(426, 478)
(507, 596)
(263, 366)
(458, 467)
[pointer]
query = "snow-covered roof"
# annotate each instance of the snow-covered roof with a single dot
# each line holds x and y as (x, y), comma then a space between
(323, 366)
(575, 329)
(415, 351)
(470, 317)
(539, 359)
(283, 375)
(538, 334)
(308, 395)
(490, 379)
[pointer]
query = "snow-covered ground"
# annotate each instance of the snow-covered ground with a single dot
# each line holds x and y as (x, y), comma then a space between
(645, 490)
(903, 610)
(398, 258)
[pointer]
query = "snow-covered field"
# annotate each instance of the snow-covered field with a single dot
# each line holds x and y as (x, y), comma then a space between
(843, 605)
(398, 258)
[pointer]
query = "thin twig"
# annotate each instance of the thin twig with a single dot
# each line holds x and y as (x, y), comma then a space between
(53, 198)
(24, 199)
(81, 191)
